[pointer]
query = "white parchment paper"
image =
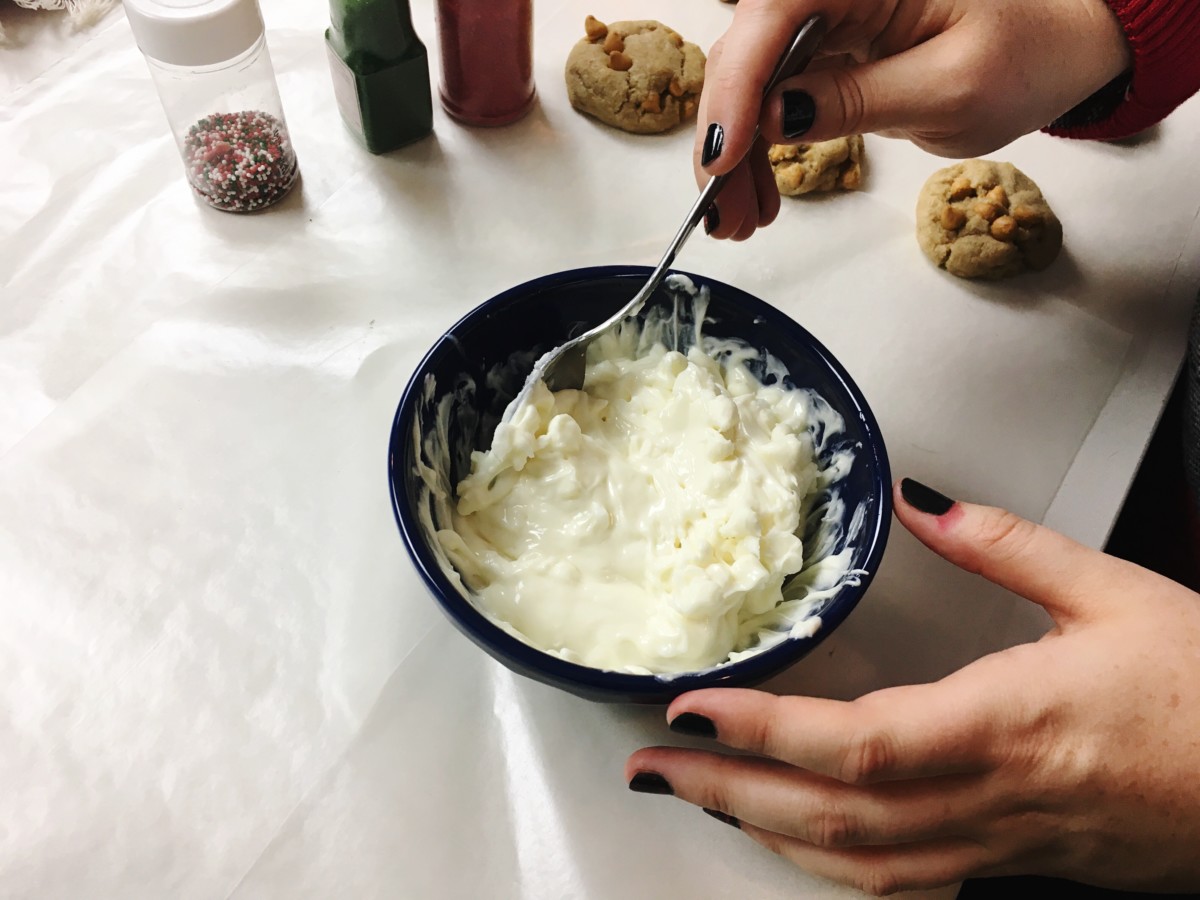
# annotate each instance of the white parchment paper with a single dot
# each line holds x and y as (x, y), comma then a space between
(220, 676)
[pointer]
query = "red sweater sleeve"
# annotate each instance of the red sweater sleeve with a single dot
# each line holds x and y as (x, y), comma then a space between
(1164, 36)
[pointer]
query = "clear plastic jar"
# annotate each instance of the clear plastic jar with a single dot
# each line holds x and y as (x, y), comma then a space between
(213, 72)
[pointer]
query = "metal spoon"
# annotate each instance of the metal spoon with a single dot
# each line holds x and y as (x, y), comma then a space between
(563, 367)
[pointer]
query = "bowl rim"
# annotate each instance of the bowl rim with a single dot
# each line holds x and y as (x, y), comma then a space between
(587, 679)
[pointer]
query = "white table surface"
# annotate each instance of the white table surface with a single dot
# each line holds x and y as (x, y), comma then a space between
(220, 675)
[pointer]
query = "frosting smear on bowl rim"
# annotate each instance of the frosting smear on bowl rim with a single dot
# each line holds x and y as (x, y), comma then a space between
(652, 523)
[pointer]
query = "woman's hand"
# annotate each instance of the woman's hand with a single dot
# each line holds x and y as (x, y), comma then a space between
(957, 77)
(1076, 756)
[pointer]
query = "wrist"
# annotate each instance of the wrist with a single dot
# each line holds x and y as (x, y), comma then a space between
(1109, 36)
(1162, 69)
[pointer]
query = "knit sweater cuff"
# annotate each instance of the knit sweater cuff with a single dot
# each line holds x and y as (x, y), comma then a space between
(1164, 36)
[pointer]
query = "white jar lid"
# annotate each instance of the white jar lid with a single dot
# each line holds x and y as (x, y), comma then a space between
(194, 32)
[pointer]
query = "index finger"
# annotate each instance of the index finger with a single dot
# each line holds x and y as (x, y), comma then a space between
(915, 731)
(737, 74)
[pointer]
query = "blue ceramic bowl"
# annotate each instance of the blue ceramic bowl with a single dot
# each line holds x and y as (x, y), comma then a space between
(490, 351)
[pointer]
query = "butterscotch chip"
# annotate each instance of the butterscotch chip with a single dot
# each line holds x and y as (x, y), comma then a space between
(1008, 227)
(594, 28)
(960, 188)
(614, 43)
(953, 218)
(619, 62)
(1026, 215)
(986, 211)
(821, 166)
(650, 85)
(1004, 228)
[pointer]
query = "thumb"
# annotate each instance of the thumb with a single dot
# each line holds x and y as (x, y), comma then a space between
(913, 92)
(1073, 582)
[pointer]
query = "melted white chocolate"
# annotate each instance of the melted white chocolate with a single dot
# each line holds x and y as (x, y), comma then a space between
(648, 522)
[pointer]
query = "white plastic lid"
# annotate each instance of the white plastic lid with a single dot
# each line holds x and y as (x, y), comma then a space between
(194, 32)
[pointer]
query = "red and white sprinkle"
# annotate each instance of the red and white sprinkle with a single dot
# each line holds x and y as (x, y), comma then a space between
(240, 161)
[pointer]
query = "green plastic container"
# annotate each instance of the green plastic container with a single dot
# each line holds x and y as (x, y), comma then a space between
(380, 72)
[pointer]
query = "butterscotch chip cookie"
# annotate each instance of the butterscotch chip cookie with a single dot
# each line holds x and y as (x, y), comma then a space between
(983, 219)
(823, 166)
(640, 76)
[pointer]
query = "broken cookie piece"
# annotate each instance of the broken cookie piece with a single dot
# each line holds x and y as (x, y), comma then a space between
(821, 166)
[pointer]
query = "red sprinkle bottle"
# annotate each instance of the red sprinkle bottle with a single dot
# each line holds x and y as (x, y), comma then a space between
(487, 59)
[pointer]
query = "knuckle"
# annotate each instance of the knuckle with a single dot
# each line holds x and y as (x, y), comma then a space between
(834, 827)
(1005, 535)
(766, 736)
(731, 78)
(851, 106)
(712, 62)
(964, 84)
(879, 881)
(713, 792)
(869, 756)
(755, 13)
(712, 796)
(760, 737)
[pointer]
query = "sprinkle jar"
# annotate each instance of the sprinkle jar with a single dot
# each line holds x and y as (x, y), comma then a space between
(210, 64)
(380, 72)
(487, 59)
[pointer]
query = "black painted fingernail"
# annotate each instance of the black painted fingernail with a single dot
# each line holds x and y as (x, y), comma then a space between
(694, 724)
(714, 143)
(650, 783)
(722, 817)
(798, 113)
(712, 219)
(925, 499)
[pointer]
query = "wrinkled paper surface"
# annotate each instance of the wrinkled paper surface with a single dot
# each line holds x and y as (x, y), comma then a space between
(220, 676)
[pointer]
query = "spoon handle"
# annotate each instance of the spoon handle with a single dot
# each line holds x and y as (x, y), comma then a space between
(794, 61)
(565, 366)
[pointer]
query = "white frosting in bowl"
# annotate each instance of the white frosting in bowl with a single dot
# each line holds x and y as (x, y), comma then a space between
(652, 522)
